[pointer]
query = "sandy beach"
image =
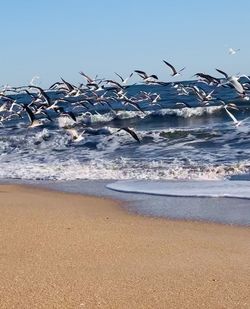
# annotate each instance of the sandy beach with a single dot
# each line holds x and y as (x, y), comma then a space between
(61, 250)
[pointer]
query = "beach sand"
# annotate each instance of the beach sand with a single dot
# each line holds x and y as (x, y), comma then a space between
(60, 250)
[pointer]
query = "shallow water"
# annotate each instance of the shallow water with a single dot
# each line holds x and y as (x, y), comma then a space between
(233, 211)
(185, 188)
(194, 155)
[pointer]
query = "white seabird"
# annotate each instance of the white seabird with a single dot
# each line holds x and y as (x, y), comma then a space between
(232, 51)
(175, 72)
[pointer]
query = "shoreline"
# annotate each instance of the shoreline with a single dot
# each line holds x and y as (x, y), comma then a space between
(130, 206)
(220, 210)
(65, 250)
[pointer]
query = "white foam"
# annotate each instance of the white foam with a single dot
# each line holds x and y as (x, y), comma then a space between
(187, 112)
(190, 188)
(65, 122)
(117, 169)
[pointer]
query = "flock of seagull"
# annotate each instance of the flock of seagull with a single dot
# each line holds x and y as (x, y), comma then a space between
(95, 94)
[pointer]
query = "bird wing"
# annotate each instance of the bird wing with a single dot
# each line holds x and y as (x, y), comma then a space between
(171, 67)
(43, 93)
(154, 76)
(55, 84)
(132, 133)
(114, 83)
(30, 114)
(68, 85)
(90, 80)
(122, 79)
(231, 116)
(144, 75)
(223, 73)
(71, 115)
(237, 86)
(182, 69)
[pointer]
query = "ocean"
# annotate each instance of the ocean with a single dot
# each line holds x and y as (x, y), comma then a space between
(182, 141)
(199, 142)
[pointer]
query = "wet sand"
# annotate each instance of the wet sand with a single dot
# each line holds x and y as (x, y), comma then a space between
(61, 250)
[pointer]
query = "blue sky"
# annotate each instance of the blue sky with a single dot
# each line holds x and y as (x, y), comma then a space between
(59, 38)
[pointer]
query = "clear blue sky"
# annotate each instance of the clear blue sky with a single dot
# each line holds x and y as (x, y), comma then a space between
(53, 38)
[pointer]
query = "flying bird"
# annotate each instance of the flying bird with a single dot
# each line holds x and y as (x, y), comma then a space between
(232, 106)
(75, 136)
(175, 72)
(33, 121)
(69, 87)
(232, 51)
(222, 72)
(208, 79)
(131, 132)
(42, 94)
(233, 82)
(147, 78)
(124, 80)
(235, 121)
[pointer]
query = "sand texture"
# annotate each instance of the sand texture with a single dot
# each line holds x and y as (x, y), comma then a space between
(60, 250)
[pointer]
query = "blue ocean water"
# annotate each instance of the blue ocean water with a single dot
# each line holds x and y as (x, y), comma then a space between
(198, 141)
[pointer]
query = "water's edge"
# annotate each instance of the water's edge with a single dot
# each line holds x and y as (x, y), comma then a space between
(223, 210)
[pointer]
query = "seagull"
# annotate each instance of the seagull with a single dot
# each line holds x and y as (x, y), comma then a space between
(34, 122)
(233, 81)
(76, 137)
(223, 73)
(202, 95)
(95, 87)
(233, 106)
(89, 80)
(183, 104)
(42, 94)
(208, 79)
(124, 80)
(147, 78)
(131, 132)
(4, 107)
(57, 85)
(156, 98)
(175, 73)
(116, 86)
(232, 51)
(64, 113)
(68, 86)
(235, 121)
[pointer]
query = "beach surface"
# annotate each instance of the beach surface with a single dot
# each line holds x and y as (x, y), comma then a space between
(62, 250)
